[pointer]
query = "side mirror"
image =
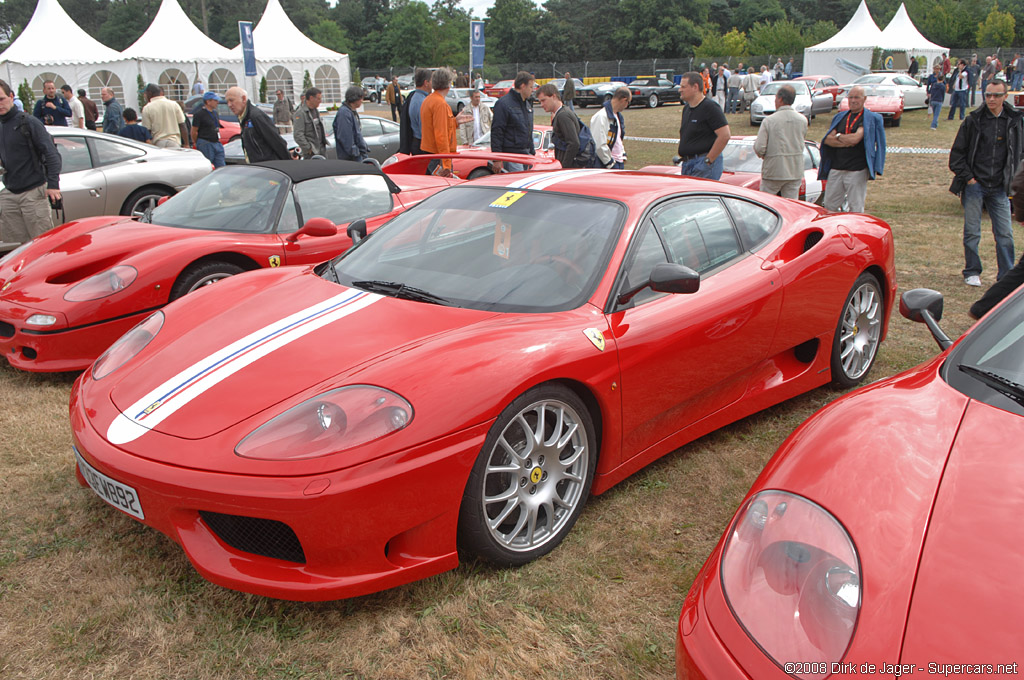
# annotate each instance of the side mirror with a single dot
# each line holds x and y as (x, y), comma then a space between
(666, 278)
(316, 226)
(925, 306)
(357, 231)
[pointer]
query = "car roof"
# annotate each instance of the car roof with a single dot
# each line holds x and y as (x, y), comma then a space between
(300, 171)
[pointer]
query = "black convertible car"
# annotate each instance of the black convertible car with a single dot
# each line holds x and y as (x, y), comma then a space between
(653, 92)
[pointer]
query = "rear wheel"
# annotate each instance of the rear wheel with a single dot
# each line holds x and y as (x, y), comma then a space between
(531, 479)
(458, 109)
(480, 172)
(896, 121)
(202, 274)
(858, 333)
(144, 199)
(652, 101)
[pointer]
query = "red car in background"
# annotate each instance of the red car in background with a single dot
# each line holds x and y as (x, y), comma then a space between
(880, 537)
(499, 89)
(461, 381)
(823, 84)
(70, 293)
(885, 100)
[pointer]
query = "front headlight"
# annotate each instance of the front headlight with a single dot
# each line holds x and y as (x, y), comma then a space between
(756, 108)
(335, 421)
(129, 344)
(388, 161)
(791, 577)
(103, 284)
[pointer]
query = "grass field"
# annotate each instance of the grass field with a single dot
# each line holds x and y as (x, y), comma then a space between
(86, 592)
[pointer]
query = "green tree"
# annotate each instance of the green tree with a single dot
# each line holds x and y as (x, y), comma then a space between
(26, 95)
(715, 44)
(332, 36)
(126, 21)
(407, 34)
(141, 84)
(579, 30)
(660, 28)
(998, 29)
(819, 32)
(776, 38)
(512, 30)
(752, 12)
(307, 82)
(449, 38)
(263, 90)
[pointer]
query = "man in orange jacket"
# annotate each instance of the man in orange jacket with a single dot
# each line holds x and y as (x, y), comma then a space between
(437, 124)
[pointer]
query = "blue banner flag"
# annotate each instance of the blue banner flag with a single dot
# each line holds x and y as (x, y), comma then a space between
(248, 48)
(476, 45)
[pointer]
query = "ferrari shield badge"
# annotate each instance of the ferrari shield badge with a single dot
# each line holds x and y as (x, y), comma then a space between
(275, 260)
(507, 199)
(596, 337)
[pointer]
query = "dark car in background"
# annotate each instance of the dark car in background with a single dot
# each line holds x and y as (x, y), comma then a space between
(653, 92)
(595, 94)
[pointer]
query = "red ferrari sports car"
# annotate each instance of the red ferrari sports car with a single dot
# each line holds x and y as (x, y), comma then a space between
(885, 100)
(67, 295)
(823, 84)
(470, 373)
(475, 163)
(881, 537)
(742, 168)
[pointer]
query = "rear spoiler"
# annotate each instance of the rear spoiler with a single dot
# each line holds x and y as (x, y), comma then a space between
(417, 165)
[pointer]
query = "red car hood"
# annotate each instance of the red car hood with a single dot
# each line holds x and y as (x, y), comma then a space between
(210, 368)
(966, 601)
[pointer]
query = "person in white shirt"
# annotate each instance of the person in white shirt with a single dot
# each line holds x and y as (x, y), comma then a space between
(766, 76)
(77, 110)
(472, 130)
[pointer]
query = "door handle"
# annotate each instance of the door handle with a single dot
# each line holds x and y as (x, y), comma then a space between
(95, 193)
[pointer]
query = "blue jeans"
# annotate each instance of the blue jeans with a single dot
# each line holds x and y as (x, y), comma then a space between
(936, 108)
(735, 103)
(998, 206)
(696, 167)
(958, 98)
(214, 152)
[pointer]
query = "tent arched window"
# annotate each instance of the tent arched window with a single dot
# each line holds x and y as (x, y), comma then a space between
(37, 84)
(102, 79)
(280, 78)
(174, 84)
(328, 80)
(221, 79)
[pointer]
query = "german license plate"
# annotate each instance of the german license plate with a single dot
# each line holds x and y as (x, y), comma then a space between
(121, 496)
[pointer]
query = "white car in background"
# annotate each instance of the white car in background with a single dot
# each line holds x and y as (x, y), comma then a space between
(915, 95)
(806, 103)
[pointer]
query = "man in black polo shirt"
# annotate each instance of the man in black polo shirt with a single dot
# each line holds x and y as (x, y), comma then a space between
(703, 133)
(206, 130)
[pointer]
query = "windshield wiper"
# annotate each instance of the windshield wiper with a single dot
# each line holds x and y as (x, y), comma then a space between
(400, 290)
(1011, 389)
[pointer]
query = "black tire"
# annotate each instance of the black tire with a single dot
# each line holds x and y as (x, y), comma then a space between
(652, 101)
(374, 98)
(607, 98)
(754, 124)
(141, 199)
(480, 172)
(896, 121)
(458, 109)
(579, 105)
(544, 472)
(858, 333)
(202, 274)
(235, 137)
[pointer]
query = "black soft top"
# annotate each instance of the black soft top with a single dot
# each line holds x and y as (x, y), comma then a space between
(300, 171)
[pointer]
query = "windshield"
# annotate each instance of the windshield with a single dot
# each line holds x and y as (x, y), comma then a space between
(538, 137)
(880, 91)
(989, 364)
(241, 199)
(740, 157)
(799, 87)
(491, 248)
(868, 79)
(504, 83)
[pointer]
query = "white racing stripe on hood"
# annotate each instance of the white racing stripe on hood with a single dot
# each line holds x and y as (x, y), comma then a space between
(177, 392)
(548, 178)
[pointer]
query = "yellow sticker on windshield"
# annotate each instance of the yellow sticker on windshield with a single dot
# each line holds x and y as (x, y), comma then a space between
(507, 199)
(502, 239)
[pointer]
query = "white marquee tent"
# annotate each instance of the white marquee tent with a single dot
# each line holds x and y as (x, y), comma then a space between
(283, 54)
(848, 53)
(902, 36)
(70, 56)
(161, 54)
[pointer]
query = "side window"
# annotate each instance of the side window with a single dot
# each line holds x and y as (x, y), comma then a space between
(108, 152)
(390, 128)
(371, 128)
(755, 224)
(74, 153)
(649, 252)
(343, 198)
(808, 161)
(830, 83)
(698, 233)
(289, 221)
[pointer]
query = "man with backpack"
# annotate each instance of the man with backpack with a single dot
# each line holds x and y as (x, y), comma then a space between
(574, 147)
(31, 173)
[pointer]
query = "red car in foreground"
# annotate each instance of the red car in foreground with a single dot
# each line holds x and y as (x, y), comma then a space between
(881, 537)
(70, 293)
(885, 100)
(469, 374)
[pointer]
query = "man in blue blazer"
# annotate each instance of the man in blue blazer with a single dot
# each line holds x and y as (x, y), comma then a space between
(852, 152)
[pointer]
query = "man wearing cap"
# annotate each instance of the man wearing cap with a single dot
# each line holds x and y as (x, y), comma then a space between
(206, 130)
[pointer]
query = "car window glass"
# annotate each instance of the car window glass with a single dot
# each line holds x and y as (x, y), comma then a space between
(649, 252)
(389, 128)
(289, 220)
(241, 199)
(343, 198)
(903, 80)
(664, 83)
(815, 154)
(74, 153)
(371, 127)
(108, 152)
(830, 83)
(739, 156)
(698, 233)
(755, 223)
(538, 137)
(808, 161)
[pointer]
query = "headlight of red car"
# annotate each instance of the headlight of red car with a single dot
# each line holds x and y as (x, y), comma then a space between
(127, 346)
(791, 576)
(334, 421)
(103, 284)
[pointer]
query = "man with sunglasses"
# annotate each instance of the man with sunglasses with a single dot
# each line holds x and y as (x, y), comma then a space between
(984, 157)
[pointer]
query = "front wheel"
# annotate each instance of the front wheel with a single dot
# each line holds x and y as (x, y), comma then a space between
(896, 122)
(142, 200)
(459, 108)
(652, 101)
(202, 274)
(531, 479)
(858, 333)
(480, 172)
